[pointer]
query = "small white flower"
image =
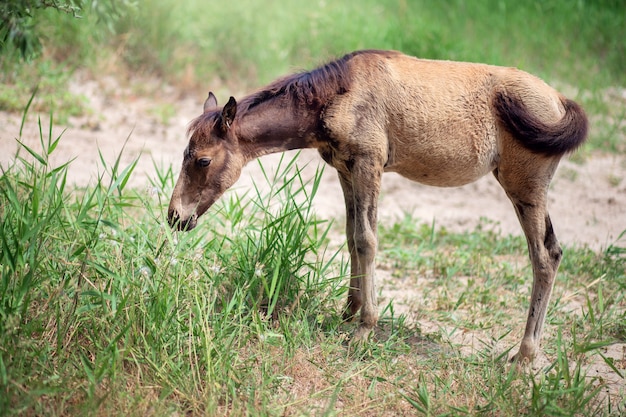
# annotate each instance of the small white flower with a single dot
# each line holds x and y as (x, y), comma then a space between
(258, 270)
(215, 268)
(145, 271)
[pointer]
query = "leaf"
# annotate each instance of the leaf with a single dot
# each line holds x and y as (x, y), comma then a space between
(38, 157)
(25, 112)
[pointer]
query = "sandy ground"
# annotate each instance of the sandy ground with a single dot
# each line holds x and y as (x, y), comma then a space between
(587, 200)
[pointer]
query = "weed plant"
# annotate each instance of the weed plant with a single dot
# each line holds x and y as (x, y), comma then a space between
(98, 295)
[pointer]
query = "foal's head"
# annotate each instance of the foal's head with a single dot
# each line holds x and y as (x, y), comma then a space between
(212, 163)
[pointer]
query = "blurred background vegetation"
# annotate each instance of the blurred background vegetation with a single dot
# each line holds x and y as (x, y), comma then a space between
(195, 45)
(250, 42)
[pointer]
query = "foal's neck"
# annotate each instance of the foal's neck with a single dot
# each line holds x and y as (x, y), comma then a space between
(270, 128)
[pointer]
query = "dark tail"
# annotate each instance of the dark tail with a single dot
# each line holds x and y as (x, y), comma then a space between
(551, 140)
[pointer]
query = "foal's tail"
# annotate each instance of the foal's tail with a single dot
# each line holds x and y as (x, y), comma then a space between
(548, 139)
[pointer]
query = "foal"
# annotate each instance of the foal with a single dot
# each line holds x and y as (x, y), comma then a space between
(435, 122)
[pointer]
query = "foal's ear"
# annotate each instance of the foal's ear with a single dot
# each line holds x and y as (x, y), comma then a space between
(210, 103)
(228, 113)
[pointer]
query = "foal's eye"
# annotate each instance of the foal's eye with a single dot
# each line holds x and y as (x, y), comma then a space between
(203, 162)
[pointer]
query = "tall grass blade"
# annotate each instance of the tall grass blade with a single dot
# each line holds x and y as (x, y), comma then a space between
(25, 112)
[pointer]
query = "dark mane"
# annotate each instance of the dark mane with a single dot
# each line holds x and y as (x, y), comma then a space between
(310, 88)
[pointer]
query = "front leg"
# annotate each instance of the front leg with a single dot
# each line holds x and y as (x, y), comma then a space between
(353, 305)
(361, 188)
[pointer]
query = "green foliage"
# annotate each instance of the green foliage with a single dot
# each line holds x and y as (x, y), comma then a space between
(574, 42)
(18, 20)
(71, 31)
(21, 21)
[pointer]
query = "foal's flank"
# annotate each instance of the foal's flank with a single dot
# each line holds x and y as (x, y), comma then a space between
(439, 123)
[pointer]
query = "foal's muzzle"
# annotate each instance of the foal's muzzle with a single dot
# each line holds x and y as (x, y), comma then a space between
(173, 218)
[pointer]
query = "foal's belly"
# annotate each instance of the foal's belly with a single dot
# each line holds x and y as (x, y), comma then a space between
(455, 167)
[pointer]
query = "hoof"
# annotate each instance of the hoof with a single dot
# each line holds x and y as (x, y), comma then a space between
(527, 352)
(358, 342)
(361, 334)
(522, 359)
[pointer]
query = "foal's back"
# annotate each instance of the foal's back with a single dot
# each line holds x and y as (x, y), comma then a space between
(433, 121)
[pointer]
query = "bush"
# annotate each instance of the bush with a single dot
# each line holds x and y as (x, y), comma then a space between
(21, 20)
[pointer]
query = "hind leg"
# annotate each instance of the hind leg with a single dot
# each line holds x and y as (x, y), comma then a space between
(529, 197)
(545, 255)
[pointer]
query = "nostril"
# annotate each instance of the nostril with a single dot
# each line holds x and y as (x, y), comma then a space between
(177, 223)
(189, 223)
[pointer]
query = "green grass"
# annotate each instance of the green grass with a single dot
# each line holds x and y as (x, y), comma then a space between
(105, 311)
